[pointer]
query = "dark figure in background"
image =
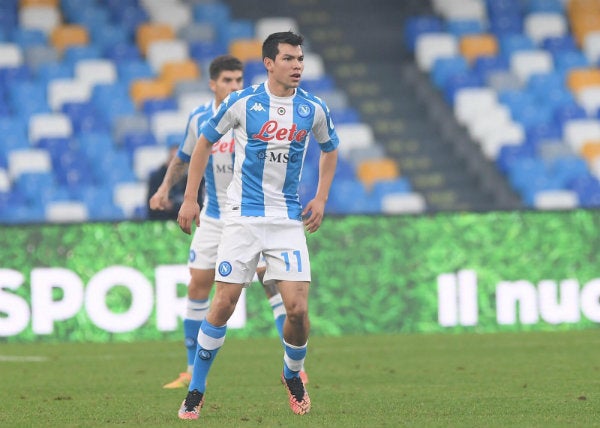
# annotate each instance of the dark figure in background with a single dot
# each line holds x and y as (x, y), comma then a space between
(175, 194)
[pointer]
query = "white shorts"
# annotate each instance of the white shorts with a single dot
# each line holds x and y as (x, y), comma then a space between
(281, 240)
(205, 242)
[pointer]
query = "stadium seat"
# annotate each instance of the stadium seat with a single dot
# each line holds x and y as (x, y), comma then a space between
(577, 132)
(176, 71)
(66, 212)
(49, 125)
(128, 124)
(461, 10)
(414, 26)
(349, 196)
(61, 91)
(218, 13)
(374, 170)
(403, 203)
(5, 183)
(354, 135)
(447, 67)
(314, 66)
(39, 17)
(38, 55)
(168, 122)
(66, 35)
(590, 150)
(174, 14)
(526, 63)
(144, 89)
(197, 32)
(591, 47)
(161, 52)
(236, 29)
(11, 55)
(147, 159)
(430, 46)
(541, 25)
(190, 100)
(272, 24)
(150, 32)
(129, 196)
(589, 99)
(95, 71)
(556, 200)
(471, 103)
(474, 46)
(246, 49)
(580, 78)
(28, 160)
(358, 155)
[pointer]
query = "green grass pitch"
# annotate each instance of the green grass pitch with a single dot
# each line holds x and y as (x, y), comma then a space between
(532, 379)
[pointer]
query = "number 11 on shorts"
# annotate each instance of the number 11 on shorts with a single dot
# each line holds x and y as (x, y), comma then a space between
(286, 259)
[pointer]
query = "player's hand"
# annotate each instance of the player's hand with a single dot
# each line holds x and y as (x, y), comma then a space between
(312, 216)
(160, 200)
(188, 213)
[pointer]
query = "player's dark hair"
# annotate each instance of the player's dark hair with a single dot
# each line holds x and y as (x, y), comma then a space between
(224, 63)
(270, 47)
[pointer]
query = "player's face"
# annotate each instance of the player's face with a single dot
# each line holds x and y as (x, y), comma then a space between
(286, 70)
(227, 82)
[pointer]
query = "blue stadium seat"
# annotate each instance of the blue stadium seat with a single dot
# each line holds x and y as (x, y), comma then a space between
(446, 67)
(235, 29)
(206, 51)
(463, 27)
(155, 105)
(217, 13)
(122, 52)
(27, 37)
(484, 65)
(417, 25)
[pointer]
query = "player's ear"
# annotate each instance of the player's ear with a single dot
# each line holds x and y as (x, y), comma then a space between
(268, 62)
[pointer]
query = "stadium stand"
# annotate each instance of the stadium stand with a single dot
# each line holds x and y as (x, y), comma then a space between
(92, 92)
(442, 105)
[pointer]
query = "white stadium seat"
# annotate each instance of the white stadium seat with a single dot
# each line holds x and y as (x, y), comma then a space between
(49, 125)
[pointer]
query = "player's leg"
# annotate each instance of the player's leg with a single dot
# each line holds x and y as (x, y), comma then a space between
(273, 297)
(295, 340)
(237, 260)
(210, 340)
(288, 265)
(202, 257)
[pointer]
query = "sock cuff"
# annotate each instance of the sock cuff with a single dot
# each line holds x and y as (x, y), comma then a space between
(211, 337)
(275, 300)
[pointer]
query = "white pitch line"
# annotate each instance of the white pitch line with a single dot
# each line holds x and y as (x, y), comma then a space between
(22, 359)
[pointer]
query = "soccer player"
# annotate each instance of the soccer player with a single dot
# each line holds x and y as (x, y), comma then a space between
(226, 76)
(270, 123)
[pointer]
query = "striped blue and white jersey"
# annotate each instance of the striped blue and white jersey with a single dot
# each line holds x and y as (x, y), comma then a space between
(220, 164)
(271, 136)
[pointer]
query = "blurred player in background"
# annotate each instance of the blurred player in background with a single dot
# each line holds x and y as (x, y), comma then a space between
(175, 198)
(226, 76)
(270, 123)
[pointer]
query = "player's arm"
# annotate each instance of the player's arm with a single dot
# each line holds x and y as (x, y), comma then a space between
(175, 172)
(315, 210)
(190, 209)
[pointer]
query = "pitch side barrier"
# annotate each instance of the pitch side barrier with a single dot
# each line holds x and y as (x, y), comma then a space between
(451, 272)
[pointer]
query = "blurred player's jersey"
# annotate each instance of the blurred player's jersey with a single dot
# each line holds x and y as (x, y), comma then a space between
(220, 164)
(271, 137)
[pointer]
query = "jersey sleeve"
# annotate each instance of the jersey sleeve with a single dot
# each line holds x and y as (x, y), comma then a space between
(323, 129)
(223, 120)
(189, 140)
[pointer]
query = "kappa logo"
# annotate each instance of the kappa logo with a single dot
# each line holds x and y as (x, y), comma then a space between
(257, 107)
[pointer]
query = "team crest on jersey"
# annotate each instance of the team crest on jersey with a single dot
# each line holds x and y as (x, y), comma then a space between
(303, 110)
